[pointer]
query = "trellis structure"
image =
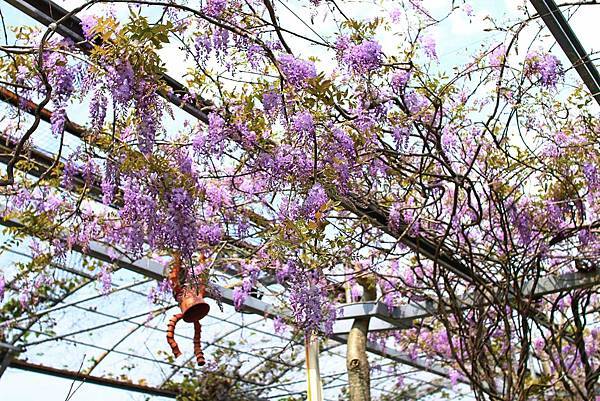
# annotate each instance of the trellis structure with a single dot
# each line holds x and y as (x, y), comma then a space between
(135, 275)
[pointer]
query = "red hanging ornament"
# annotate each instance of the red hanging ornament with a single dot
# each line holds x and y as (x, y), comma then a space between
(190, 297)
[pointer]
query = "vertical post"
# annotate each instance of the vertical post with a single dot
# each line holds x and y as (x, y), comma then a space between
(313, 376)
(7, 356)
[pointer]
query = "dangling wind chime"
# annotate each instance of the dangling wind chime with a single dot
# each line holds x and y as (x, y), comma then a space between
(190, 296)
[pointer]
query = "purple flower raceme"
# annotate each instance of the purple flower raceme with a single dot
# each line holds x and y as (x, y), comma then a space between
(279, 325)
(212, 140)
(121, 81)
(210, 234)
(401, 135)
(160, 292)
(178, 228)
(58, 120)
(428, 44)
(396, 15)
(343, 141)
(2, 287)
(520, 218)
(61, 76)
(149, 111)
(69, 172)
(271, 102)
(362, 58)
(98, 110)
(215, 8)
(308, 298)
(592, 175)
(303, 123)
(250, 272)
(110, 182)
(314, 202)
(497, 56)
(468, 9)
(545, 66)
(25, 297)
(400, 79)
(138, 214)
(105, 277)
(395, 220)
(296, 71)
(88, 23)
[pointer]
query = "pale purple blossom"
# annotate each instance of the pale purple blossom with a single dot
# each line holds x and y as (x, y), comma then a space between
(88, 23)
(105, 277)
(215, 8)
(362, 58)
(25, 297)
(429, 47)
(279, 326)
(271, 102)
(395, 15)
(400, 79)
(497, 56)
(296, 71)
(468, 9)
(303, 123)
(314, 202)
(545, 66)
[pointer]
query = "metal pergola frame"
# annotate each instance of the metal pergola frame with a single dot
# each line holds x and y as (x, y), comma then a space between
(47, 13)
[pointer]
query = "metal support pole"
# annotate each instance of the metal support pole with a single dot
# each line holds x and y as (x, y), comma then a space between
(7, 355)
(314, 390)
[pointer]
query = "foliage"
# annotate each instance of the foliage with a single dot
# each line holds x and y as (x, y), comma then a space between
(457, 184)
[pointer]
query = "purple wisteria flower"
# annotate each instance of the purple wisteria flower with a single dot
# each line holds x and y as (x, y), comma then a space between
(497, 56)
(303, 124)
(468, 9)
(250, 271)
(25, 297)
(105, 277)
(2, 287)
(590, 171)
(311, 308)
(88, 23)
(400, 79)
(401, 135)
(210, 234)
(361, 58)
(68, 175)
(160, 292)
(215, 8)
(396, 15)
(279, 325)
(546, 66)
(98, 106)
(428, 44)
(271, 102)
(296, 71)
(345, 143)
(121, 80)
(395, 220)
(314, 202)
(109, 182)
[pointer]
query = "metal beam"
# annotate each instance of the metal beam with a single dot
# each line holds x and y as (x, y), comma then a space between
(8, 353)
(402, 317)
(570, 44)
(82, 377)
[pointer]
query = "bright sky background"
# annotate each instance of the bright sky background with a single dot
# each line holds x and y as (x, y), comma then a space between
(455, 38)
